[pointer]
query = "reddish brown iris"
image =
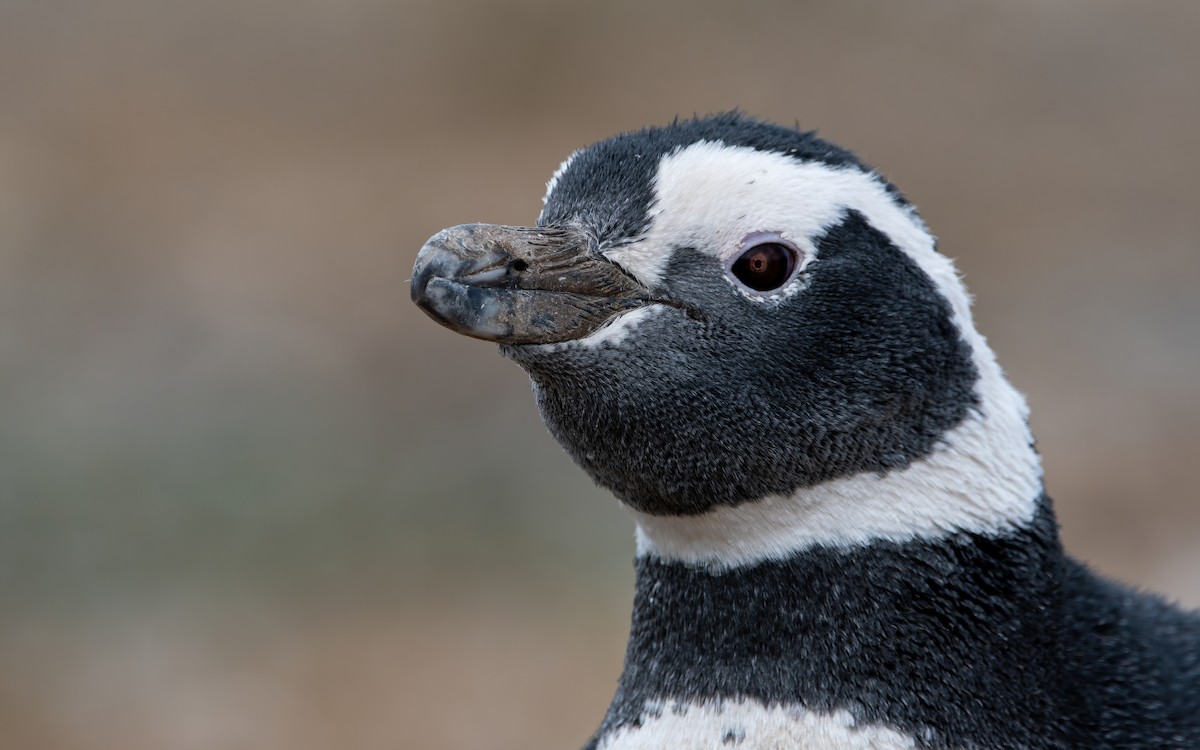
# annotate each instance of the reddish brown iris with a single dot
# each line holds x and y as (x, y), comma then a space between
(765, 267)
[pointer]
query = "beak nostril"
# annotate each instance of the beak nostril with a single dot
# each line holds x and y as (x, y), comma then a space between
(519, 265)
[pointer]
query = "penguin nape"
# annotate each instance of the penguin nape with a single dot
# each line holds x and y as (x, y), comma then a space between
(843, 540)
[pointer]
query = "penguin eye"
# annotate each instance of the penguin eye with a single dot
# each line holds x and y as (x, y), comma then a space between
(765, 266)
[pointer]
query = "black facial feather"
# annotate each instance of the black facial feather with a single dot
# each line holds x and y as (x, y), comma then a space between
(862, 372)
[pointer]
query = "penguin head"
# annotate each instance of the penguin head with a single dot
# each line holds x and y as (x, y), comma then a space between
(722, 311)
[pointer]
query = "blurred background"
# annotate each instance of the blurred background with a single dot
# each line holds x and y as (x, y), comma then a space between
(251, 497)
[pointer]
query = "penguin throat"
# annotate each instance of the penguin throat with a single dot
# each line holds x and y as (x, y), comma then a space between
(984, 478)
(907, 636)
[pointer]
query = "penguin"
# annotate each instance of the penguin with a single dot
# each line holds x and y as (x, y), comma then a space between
(843, 541)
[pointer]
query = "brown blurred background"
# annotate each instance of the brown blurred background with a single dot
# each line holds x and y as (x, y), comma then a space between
(251, 497)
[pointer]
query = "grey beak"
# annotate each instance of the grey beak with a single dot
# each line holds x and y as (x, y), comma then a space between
(520, 285)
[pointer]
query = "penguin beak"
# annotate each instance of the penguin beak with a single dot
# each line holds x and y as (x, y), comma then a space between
(520, 285)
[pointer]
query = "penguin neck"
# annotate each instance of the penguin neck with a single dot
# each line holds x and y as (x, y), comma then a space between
(887, 632)
(984, 477)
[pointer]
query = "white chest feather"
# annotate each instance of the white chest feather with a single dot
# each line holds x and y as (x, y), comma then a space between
(749, 725)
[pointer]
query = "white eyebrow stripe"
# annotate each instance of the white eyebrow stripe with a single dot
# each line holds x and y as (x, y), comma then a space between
(554, 178)
(709, 196)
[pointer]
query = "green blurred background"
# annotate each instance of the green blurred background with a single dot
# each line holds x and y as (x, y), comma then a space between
(251, 497)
